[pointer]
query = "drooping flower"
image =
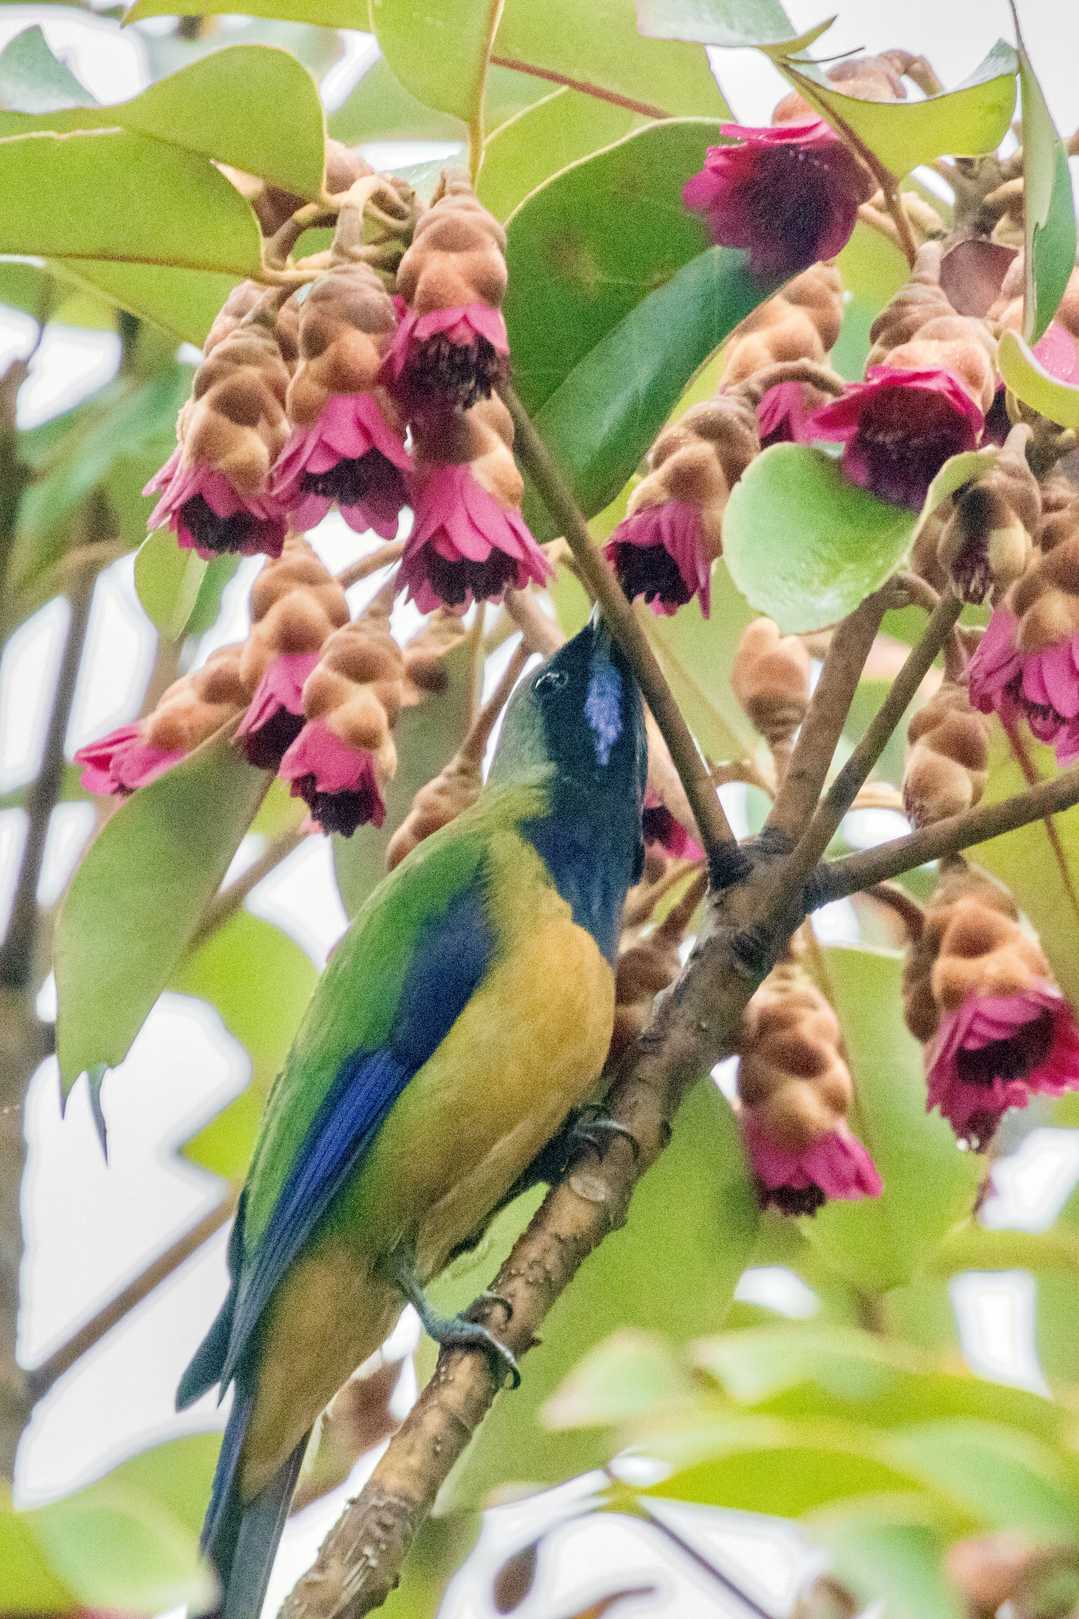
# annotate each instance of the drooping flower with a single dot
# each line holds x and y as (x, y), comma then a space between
(336, 780)
(464, 545)
(993, 1052)
(658, 553)
(790, 195)
(660, 827)
(898, 428)
(785, 412)
(836, 1165)
(122, 761)
(350, 455)
(446, 357)
(209, 515)
(1040, 684)
(274, 718)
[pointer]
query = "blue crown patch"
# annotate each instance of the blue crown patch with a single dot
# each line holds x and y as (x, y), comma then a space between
(603, 709)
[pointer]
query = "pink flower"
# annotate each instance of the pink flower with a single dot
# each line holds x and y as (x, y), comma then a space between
(209, 516)
(448, 358)
(1057, 352)
(660, 826)
(122, 761)
(994, 1051)
(784, 414)
(899, 428)
(658, 553)
(336, 781)
(1042, 686)
(788, 194)
(274, 718)
(464, 546)
(350, 454)
(835, 1166)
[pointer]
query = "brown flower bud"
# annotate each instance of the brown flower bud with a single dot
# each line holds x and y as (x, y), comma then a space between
(482, 436)
(800, 323)
(346, 324)
(648, 966)
(235, 419)
(771, 679)
(454, 789)
(457, 254)
(1060, 512)
(426, 653)
(987, 542)
(198, 704)
(356, 687)
(296, 603)
(699, 458)
(273, 206)
(869, 78)
(920, 331)
(792, 1074)
(1045, 600)
(948, 759)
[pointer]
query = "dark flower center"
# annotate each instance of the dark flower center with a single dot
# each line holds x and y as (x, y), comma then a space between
(265, 747)
(657, 823)
(907, 436)
(457, 373)
(789, 202)
(980, 1130)
(1014, 1058)
(339, 812)
(215, 533)
(793, 1199)
(650, 571)
(452, 580)
(368, 477)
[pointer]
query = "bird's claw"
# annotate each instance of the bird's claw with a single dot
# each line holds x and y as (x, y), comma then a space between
(460, 1332)
(593, 1128)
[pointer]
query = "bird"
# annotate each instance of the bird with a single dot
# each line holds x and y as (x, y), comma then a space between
(463, 1017)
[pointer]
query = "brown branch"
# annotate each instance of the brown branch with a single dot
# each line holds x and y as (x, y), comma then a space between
(870, 866)
(585, 86)
(42, 1377)
(384, 557)
(715, 830)
(904, 905)
(229, 900)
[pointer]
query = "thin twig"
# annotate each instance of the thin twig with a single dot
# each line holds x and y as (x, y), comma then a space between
(904, 905)
(41, 1378)
(708, 812)
(699, 1560)
(854, 872)
(647, 109)
(230, 899)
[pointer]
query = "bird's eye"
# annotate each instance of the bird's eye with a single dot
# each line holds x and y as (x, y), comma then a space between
(550, 681)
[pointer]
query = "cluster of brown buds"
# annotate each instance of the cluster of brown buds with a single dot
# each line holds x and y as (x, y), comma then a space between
(303, 400)
(947, 764)
(771, 677)
(978, 990)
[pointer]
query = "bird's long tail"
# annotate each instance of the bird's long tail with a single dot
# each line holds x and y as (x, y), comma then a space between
(239, 1537)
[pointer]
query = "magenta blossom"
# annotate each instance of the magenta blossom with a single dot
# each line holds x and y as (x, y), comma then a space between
(336, 781)
(448, 357)
(784, 414)
(464, 546)
(994, 1051)
(659, 826)
(209, 516)
(350, 454)
(1042, 686)
(835, 1166)
(274, 717)
(899, 428)
(122, 761)
(658, 552)
(789, 194)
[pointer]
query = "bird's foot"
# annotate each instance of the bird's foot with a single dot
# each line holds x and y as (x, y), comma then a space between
(457, 1331)
(592, 1126)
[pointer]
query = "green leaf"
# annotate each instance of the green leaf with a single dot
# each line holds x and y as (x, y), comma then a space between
(439, 49)
(427, 737)
(697, 656)
(183, 302)
(806, 546)
(1007, 1480)
(1031, 382)
(379, 108)
(1049, 210)
(730, 23)
(629, 1375)
(902, 135)
(598, 44)
(258, 980)
(323, 13)
(167, 581)
(697, 1203)
(1039, 863)
(138, 896)
(225, 106)
(891, 1549)
(33, 80)
(28, 1583)
(929, 1183)
(543, 139)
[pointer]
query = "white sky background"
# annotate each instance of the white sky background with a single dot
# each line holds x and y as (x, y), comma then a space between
(90, 1226)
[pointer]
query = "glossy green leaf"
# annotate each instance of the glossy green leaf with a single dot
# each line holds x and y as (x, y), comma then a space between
(379, 108)
(902, 135)
(891, 1550)
(1008, 1480)
(598, 44)
(225, 106)
(427, 736)
(258, 980)
(1049, 209)
(324, 13)
(543, 139)
(1032, 383)
(28, 1583)
(168, 580)
(697, 1203)
(626, 1376)
(806, 546)
(175, 1476)
(138, 896)
(439, 49)
(1039, 863)
(929, 1183)
(730, 23)
(182, 302)
(33, 80)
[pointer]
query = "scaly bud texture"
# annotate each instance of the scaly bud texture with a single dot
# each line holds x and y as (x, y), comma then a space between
(948, 761)
(771, 679)
(800, 323)
(987, 542)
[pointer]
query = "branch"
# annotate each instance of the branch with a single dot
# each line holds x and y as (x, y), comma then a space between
(230, 899)
(871, 866)
(41, 1378)
(382, 558)
(585, 86)
(715, 830)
